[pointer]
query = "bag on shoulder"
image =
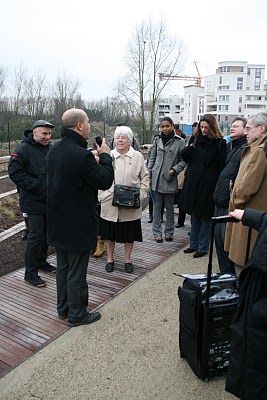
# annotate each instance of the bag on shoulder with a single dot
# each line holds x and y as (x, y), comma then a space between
(126, 196)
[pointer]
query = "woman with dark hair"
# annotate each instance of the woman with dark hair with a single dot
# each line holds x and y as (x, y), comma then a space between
(206, 156)
(164, 165)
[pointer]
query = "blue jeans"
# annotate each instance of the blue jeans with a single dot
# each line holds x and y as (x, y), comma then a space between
(200, 233)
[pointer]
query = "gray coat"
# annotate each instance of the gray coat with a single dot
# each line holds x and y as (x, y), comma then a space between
(162, 160)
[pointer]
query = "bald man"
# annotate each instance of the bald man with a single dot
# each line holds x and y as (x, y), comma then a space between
(74, 178)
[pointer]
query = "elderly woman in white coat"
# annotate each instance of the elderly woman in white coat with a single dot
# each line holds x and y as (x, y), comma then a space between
(121, 224)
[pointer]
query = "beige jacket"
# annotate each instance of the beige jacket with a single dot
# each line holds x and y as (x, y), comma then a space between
(250, 191)
(130, 170)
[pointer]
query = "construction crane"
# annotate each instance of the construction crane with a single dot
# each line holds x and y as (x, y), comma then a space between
(197, 79)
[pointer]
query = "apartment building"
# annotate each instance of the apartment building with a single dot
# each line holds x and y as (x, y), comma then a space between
(236, 89)
(170, 107)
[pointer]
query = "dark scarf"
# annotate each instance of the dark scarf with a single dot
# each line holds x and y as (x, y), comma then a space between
(166, 138)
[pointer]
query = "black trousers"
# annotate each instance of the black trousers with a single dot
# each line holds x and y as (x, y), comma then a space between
(36, 246)
(225, 264)
(72, 288)
(182, 214)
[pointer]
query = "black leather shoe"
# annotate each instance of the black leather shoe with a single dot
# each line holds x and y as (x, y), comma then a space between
(179, 225)
(189, 250)
(109, 266)
(37, 282)
(64, 316)
(128, 267)
(150, 219)
(169, 238)
(89, 319)
(199, 254)
(48, 268)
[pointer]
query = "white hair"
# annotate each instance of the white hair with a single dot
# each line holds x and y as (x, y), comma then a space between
(124, 130)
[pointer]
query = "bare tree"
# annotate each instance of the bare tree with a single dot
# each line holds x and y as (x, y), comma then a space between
(65, 93)
(19, 84)
(3, 76)
(36, 93)
(151, 51)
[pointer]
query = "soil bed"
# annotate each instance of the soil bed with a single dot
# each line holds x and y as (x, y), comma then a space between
(10, 214)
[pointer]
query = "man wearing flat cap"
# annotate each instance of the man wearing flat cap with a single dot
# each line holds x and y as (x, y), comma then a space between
(28, 171)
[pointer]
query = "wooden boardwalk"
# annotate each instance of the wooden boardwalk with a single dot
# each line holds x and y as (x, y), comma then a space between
(28, 315)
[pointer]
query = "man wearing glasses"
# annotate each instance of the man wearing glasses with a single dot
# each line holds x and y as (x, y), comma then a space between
(224, 186)
(250, 188)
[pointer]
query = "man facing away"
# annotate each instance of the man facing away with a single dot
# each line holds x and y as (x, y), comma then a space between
(250, 189)
(74, 178)
(224, 186)
(27, 170)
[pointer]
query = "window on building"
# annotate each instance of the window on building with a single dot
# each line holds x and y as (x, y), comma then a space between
(257, 84)
(258, 72)
(220, 82)
(240, 99)
(248, 71)
(225, 69)
(239, 109)
(224, 87)
(167, 107)
(239, 84)
(224, 98)
(223, 108)
(241, 69)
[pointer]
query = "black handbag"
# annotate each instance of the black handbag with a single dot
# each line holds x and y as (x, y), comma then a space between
(126, 196)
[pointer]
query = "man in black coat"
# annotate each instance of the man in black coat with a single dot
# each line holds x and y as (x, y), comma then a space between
(224, 186)
(74, 177)
(27, 170)
(247, 371)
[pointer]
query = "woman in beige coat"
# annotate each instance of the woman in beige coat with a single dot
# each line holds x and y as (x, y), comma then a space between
(120, 224)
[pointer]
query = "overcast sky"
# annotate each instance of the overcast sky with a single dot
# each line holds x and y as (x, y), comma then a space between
(87, 38)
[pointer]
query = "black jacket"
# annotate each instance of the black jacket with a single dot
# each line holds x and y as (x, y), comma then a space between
(27, 170)
(206, 160)
(74, 178)
(247, 372)
(222, 192)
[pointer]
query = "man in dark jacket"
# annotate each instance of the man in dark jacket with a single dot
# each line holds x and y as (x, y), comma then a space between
(74, 177)
(246, 376)
(27, 170)
(224, 186)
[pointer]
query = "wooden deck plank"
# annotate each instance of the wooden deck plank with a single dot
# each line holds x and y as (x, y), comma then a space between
(28, 315)
(24, 340)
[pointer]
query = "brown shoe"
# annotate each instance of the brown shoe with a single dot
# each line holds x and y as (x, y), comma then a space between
(199, 254)
(189, 250)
